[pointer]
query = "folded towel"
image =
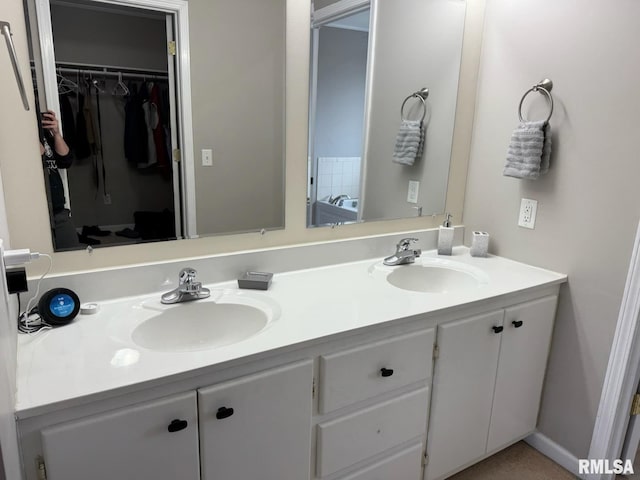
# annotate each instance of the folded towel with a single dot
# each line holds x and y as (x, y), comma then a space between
(409, 142)
(529, 151)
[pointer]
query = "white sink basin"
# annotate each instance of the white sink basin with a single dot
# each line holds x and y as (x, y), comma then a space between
(432, 275)
(225, 318)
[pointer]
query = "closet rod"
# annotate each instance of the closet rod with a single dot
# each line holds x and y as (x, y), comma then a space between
(113, 68)
(107, 73)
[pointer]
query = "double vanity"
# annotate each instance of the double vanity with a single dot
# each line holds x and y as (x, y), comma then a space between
(351, 371)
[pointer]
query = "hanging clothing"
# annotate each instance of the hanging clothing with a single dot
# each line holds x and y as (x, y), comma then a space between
(135, 128)
(90, 125)
(99, 148)
(68, 121)
(82, 147)
(157, 128)
(152, 120)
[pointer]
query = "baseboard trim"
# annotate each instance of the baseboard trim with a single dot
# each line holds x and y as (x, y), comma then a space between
(555, 452)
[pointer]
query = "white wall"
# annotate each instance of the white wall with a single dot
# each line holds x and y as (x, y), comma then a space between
(237, 77)
(342, 78)
(589, 203)
(18, 140)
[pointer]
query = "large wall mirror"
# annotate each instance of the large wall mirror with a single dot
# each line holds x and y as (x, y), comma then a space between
(383, 95)
(114, 81)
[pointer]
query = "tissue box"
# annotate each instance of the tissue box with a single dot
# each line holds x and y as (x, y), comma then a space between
(255, 280)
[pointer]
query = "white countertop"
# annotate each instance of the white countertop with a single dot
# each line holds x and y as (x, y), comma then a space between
(95, 353)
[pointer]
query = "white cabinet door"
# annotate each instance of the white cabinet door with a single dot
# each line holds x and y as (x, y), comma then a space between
(523, 360)
(156, 440)
(258, 427)
(463, 385)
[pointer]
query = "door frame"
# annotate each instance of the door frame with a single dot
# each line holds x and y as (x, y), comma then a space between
(180, 10)
(623, 372)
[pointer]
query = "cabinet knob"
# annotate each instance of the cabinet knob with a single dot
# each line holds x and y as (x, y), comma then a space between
(517, 323)
(224, 412)
(386, 372)
(177, 425)
(497, 328)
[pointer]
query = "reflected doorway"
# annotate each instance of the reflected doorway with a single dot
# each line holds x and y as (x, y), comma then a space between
(339, 64)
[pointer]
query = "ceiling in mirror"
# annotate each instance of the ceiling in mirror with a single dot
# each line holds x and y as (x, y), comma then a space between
(366, 159)
(126, 159)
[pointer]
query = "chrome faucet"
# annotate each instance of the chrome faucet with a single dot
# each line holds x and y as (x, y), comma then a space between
(404, 254)
(188, 289)
(337, 200)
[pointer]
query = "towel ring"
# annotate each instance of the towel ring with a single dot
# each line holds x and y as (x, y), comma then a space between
(422, 95)
(543, 87)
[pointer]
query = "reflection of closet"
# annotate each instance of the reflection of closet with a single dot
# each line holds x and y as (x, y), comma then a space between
(114, 61)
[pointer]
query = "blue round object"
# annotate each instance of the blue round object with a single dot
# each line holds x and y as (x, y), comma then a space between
(58, 306)
(62, 305)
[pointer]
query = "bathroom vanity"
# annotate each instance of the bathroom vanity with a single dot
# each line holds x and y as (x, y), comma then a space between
(352, 377)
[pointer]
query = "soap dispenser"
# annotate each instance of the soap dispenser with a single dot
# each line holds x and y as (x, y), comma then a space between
(445, 236)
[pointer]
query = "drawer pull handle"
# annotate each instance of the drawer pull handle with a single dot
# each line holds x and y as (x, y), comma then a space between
(386, 372)
(177, 425)
(224, 412)
(517, 323)
(497, 329)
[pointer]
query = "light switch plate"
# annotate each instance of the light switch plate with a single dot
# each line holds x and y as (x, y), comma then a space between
(207, 157)
(528, 209)
(412, 193)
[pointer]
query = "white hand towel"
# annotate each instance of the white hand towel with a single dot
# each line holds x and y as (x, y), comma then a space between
(409, 142)
(529, 151)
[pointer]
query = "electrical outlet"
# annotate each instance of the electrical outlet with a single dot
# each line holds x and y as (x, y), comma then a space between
(528, 209)
(412, 193)
(207, 157)
(107, 199)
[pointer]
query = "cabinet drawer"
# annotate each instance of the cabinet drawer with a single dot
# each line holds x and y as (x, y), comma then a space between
(348, 440)
(356, 374)
(406, 465)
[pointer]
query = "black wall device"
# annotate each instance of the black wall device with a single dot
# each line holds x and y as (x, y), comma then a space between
(58, 306)
(17, 280)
